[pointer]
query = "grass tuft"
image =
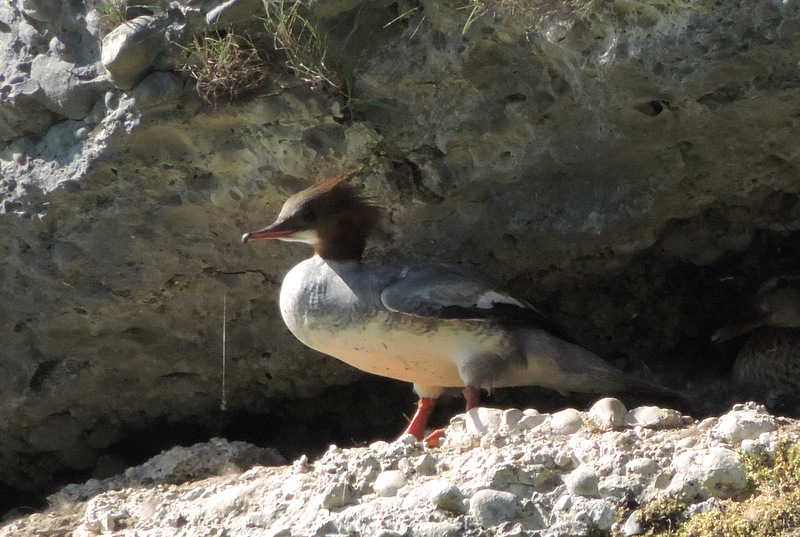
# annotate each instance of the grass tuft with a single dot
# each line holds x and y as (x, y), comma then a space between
(225, 67)
(303, 46)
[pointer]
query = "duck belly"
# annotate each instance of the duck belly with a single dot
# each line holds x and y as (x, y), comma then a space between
(404, 351)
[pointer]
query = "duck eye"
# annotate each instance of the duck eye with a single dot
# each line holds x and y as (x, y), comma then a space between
(309, 216)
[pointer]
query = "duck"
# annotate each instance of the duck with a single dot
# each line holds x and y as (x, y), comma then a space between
(768, 364)
(433, 324)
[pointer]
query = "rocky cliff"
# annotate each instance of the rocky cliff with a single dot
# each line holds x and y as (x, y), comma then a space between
(630, 167)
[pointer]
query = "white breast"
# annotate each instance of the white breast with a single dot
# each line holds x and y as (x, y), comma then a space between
(328, 316)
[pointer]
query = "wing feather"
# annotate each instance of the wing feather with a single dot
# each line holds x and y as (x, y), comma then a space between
(428, 288)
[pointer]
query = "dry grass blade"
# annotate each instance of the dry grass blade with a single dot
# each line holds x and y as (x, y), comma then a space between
(298, 39)
(225, 69)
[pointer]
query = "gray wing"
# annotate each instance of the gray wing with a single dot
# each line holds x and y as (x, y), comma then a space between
(429, 288)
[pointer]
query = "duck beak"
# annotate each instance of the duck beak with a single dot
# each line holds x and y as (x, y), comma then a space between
(278, 230)
(730, 332)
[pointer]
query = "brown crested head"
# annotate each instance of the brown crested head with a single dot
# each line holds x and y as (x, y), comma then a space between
(779, 300)
(778, 303)
(331, 216)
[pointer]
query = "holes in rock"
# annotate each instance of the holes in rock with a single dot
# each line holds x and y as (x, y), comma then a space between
(721, 97)
(652, 108)
(41, 374)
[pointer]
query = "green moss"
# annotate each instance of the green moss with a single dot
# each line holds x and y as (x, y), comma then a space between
(662, 516)
(772, 510)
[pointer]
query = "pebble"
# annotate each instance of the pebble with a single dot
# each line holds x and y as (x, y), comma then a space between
(511, 418)
(653, 417)
(567, 421)
(447, 496)
(745, 424)
(491, 507)
(531, 419)
(336, 495)
(389, 482)
(703, 473)
(600, 513)
(582, 481)
(608, 413)
(131, 49)
(481, 420)
(632, 525)
(422, 465)
(436, 529)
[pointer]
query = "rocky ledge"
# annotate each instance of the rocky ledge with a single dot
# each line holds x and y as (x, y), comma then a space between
(504, 473)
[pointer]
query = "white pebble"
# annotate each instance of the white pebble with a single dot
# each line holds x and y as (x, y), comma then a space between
(653, 417)
(582, 481)
(492, 507)
(608, 413)
(483, 420)
(567, 421)
(747, 424)
(389, 482)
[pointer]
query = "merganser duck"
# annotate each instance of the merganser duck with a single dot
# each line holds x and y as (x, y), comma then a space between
(422, 321)
(769, 362)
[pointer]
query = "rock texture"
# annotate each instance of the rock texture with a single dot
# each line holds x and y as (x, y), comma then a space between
(510, 480)
(630, 166)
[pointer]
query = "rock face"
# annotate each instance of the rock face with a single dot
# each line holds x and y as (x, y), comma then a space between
(630, 167)
(503, 481)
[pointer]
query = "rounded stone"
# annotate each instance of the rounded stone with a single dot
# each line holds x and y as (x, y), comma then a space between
(492, 507)
(447, 496)
(582, 481)
(483, 420)
(746, 424)
(653, 417)
(608, 413)
(567, 421)
(389, 482)
(130, 51)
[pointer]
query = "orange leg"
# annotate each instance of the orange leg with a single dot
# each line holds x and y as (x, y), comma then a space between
(473, 396)
(420, 420)
(417, 425)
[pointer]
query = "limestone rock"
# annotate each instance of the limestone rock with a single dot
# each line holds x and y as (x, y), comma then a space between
(582, 481)
(567, 421)
(529, 483)
(482, 420)
(230, 12)
(336, 495)
(492, 507)
(710, 472)
(70, 92)
(608, 413)
(131, 50)
(389, 482)
(531, 419)
(745, 423)
(41, 10)
(447, 496)
(653, 417)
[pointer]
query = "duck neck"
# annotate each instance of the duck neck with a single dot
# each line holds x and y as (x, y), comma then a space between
(341, 248)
